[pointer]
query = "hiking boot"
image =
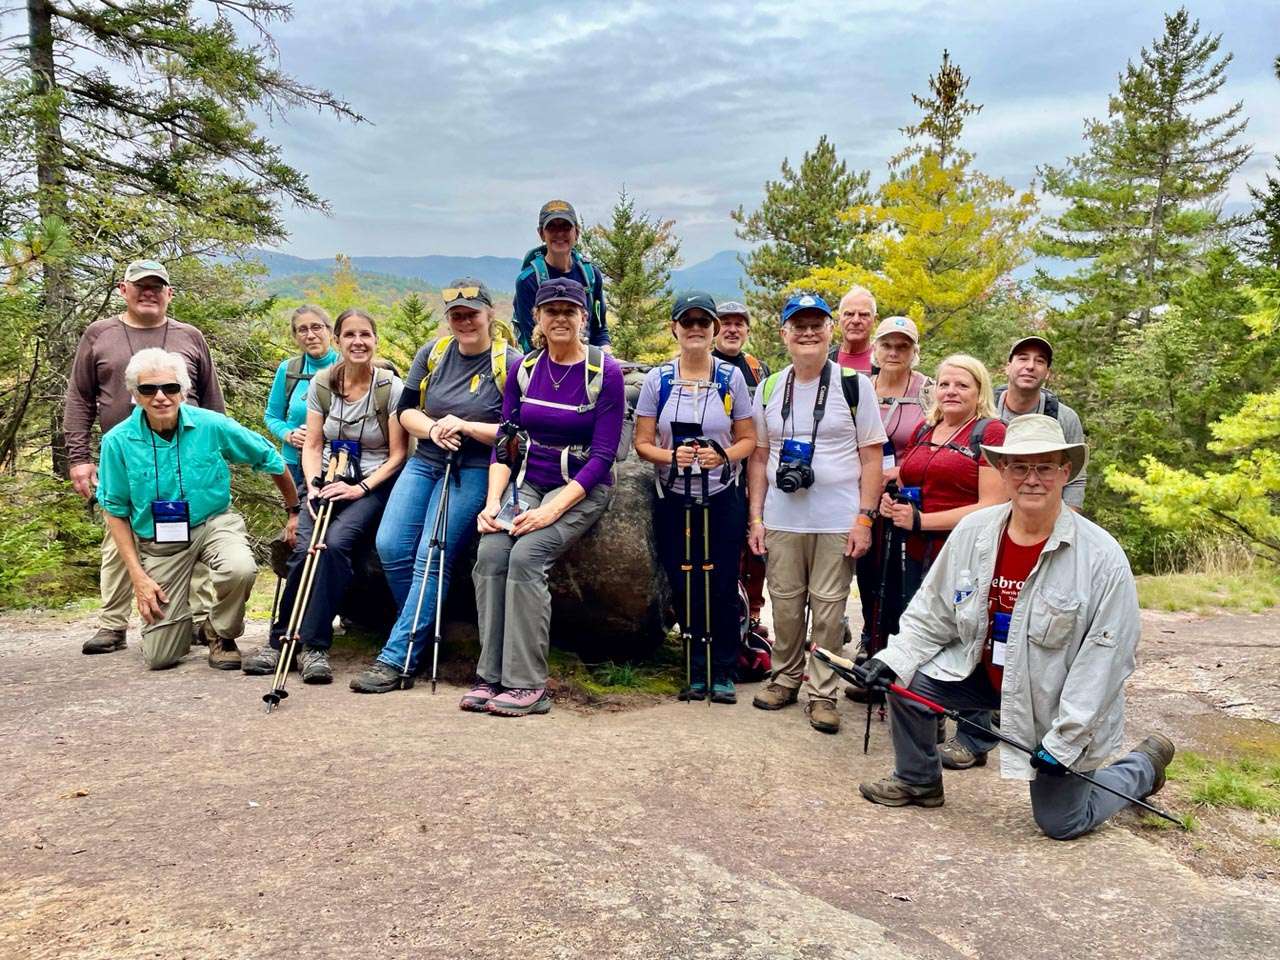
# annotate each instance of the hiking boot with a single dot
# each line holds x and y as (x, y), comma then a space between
(722, 691)
(822, 715)
(862, 694)
(223, 653)
(378, 677)
(956, 756)
(106, 640)
(1159, 750)
(262, 662)
(893, 792)
(775, 696)
(477, 698)
(197, 634)
(518, 702)
(314, 664)
(694, 691)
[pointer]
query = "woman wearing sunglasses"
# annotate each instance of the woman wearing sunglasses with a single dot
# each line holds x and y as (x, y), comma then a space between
(349, 407)
(286, 415)
(693, 423)
(452, 405)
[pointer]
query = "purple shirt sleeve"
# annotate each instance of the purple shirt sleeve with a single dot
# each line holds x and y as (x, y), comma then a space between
(607, 430)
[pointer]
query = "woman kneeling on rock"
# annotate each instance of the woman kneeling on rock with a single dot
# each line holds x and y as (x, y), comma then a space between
(567, 402)
(693, 423)
(349, 408)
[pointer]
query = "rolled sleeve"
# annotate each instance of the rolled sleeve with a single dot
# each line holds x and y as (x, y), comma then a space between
(241, 445)
(114, 494)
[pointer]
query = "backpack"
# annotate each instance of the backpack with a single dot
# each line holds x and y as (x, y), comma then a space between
(974, 452)
(755, 650)
(537, 259)
(497, 365)
(723, 377)
(848, 385)
(1050, 401)
(382, 380)
(755, 366)
(293, 375)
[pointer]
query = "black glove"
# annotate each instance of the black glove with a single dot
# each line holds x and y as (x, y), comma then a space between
(877, 675)
(1046, 762)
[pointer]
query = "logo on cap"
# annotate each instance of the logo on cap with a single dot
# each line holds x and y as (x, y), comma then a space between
(807, 301)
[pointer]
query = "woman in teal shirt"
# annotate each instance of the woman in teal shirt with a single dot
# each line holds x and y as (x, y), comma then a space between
(286, 415)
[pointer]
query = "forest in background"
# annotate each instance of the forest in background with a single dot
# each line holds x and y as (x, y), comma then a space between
(126, 133)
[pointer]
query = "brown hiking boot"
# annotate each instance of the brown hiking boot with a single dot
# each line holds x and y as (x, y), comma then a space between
(1159, 750)
(892, 792)
(956, 756)
(822, 715)
(223, 653)
(775, 696)
(106, 640)
(862, 694)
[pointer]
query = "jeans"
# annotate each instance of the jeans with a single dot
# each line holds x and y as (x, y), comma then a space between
(404, 539)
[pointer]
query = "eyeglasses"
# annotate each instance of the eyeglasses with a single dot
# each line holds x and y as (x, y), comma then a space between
(150, 389)
(687, 321)
(459, 293)
(313, 328)
(1043, 471)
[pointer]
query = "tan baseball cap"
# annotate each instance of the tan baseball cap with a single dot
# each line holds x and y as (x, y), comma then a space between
(903, 325)
(145, 268)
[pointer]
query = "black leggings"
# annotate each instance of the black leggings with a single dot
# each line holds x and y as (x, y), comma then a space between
(727, 515)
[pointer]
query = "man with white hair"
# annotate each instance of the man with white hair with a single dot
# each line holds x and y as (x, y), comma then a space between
(96, 391)
(857, 318)
(1031, 609)
(165, 484)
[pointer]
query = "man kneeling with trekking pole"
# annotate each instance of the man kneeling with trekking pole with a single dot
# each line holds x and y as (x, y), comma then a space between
(1030, 609)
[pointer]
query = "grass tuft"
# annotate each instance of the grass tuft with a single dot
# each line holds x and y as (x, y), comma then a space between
(1218, 585)
(1245, 783)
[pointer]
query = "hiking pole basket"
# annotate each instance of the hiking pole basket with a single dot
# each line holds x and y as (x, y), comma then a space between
(337, 467)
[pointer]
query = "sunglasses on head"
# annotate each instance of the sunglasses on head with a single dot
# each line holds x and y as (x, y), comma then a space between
(460, 293)
(687, 321)
(151, 389)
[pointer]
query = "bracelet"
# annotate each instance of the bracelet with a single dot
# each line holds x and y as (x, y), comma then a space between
(865, 521)
(295, 509)
(755, 520)
(364, 486)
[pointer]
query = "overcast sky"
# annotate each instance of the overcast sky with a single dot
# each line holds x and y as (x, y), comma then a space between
(482, 110)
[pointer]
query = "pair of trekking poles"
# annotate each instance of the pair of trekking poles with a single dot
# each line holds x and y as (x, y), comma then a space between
(707, 564)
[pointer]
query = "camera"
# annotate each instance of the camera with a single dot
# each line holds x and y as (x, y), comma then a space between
(910, 495)
(795, 466)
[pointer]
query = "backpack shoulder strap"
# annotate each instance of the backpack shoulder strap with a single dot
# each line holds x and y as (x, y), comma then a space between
(666, 383)
(757, 371)
(770, 384)
(438, 350)
(382, 401)
(1051, 405)
(976, 436)
(724, 385)
(595, 374)
(851, 388)
(525, 373)
(324, 392)
(539, 264)
(922, 428)
(498, 362)
(293, 375)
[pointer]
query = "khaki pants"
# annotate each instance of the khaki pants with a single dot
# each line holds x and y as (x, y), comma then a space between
(221, 544)
(812, 567)
(117, 590)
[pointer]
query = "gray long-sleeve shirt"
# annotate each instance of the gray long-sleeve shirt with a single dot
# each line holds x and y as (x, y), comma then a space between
(1072, 431)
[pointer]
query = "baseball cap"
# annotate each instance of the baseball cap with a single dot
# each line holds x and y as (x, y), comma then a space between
(466, 292)
(903, 325)
(145, 268)
(691, 300)
(1033, 339)
(732, 308)
(557, 210)
(804, 301)
(561, 290)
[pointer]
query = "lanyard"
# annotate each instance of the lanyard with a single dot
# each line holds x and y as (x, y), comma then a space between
(177, 448)
(706, 395)
(819, 403)
(129, 340)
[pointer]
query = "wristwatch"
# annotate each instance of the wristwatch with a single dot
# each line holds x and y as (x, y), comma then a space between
(873, 513)
(296, 508)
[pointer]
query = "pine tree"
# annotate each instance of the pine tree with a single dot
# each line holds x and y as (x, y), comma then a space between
(799, 227)
(1264, 240)
(636, 253)
(944, 115)
(1142, 202)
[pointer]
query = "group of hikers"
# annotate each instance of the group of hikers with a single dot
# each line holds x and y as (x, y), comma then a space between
(956, 507)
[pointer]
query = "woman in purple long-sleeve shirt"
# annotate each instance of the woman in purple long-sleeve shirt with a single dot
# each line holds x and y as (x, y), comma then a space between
(564, 487)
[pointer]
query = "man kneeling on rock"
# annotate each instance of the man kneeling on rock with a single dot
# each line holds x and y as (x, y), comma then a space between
(1032, 610)
(165, 486)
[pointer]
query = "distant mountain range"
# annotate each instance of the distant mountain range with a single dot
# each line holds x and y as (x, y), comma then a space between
(720, 275)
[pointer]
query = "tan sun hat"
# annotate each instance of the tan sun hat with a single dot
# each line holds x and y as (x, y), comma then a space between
(903, 325)
(1036, 433)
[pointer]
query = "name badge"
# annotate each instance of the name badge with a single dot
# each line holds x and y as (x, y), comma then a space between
(172, 519)
(997, 652)
(887, 460)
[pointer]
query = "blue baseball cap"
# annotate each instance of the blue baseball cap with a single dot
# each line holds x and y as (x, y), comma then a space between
(804, 301)
(561, 289)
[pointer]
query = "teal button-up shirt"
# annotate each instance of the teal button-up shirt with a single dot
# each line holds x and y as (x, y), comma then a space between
(193, 465)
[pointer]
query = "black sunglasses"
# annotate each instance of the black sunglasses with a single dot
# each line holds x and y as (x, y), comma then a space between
(687, 321)
(150, 389)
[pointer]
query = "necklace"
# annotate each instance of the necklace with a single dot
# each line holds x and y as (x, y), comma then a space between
(555, 384)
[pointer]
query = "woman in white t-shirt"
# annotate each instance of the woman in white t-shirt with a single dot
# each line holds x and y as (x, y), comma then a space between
(693, 423)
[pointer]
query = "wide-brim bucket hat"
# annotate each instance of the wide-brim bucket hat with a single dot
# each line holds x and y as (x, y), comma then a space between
(1034, 433)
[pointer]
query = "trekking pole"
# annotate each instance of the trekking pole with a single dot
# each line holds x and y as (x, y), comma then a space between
(440, 565)
(293, 634)
(850, 670)
(878, 641)
(707, 568)
(405, 680)
(685, 635)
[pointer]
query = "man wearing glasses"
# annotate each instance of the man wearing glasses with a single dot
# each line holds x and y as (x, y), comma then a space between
(165, 484)
(96, 391)
(1031, 609)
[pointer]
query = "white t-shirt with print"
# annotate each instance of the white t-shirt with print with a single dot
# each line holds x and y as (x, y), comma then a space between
(831, 504)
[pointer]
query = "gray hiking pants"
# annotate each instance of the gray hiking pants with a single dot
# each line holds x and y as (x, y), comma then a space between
(512, 597)
(1064, 807)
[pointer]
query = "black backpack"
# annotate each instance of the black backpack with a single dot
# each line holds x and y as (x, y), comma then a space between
(974, 452)
(1050, 401)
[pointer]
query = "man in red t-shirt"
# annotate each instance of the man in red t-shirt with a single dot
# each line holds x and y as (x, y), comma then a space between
(857, 317)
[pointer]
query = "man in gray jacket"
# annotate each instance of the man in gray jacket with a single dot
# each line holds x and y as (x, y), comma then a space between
(1032, 609)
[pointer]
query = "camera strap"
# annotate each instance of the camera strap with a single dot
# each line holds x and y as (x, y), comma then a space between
(819, 403)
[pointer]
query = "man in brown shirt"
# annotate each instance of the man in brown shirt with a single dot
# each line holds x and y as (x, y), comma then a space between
(96, 391)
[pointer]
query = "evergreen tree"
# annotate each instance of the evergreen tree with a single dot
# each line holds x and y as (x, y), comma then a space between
(1143, 201)
(944, 114)
(800, 227)
(636, 253)
(1264, 241)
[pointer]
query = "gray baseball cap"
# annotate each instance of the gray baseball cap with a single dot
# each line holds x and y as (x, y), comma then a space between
(145, 268)
(466, 292)
(732, 308)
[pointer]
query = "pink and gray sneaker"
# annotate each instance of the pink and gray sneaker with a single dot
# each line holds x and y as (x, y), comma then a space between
(477, 698)
(518, 702)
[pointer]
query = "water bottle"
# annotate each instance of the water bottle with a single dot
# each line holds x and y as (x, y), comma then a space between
(964, 587)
